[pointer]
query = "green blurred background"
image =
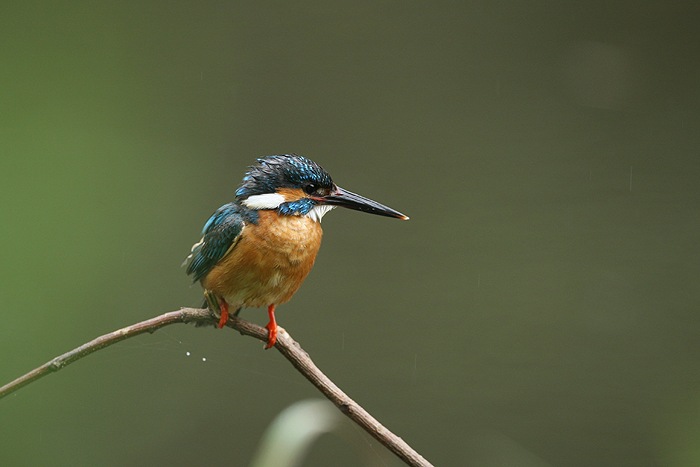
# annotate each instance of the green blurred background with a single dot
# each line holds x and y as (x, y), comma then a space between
(540, 308)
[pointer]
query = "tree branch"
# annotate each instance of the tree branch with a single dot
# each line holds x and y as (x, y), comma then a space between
(287, 346)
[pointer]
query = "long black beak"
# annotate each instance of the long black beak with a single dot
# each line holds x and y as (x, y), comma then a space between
(350, 200)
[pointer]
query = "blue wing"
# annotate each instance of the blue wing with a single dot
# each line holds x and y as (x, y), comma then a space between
(221, 233)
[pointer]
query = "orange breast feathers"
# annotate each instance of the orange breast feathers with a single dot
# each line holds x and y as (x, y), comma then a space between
(269, 263)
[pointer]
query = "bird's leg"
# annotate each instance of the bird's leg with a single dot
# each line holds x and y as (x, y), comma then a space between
(217, 304)
(223, 306)
(271, 327)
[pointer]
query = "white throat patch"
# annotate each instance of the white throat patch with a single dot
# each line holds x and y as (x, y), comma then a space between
(264, 201)
(317, 212)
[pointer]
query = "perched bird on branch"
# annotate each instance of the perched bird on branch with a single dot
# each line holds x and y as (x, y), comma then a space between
(257, 250)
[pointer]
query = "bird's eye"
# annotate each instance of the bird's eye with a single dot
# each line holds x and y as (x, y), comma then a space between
(310, 188)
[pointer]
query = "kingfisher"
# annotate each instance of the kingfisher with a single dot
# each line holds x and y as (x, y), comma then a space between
(257, 250)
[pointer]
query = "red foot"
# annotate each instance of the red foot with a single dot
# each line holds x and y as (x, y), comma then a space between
(271, 327)
(223, 306)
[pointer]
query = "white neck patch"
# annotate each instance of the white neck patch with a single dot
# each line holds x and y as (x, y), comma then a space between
(264, 201)
(317, 212)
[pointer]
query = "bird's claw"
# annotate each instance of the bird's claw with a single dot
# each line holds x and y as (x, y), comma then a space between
(271, 335)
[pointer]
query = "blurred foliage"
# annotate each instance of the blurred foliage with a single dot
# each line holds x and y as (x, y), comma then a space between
(540, 305)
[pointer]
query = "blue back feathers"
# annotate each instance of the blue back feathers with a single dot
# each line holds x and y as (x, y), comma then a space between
(221, 232)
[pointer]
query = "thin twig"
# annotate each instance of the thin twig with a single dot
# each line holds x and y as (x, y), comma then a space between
(287, 346)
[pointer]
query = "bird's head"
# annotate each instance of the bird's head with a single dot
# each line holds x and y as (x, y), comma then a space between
(295, 185)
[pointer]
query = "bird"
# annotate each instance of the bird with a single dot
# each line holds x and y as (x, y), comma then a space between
(256, 250)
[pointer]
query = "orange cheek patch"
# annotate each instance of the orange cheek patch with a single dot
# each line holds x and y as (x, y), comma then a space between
(291, 194)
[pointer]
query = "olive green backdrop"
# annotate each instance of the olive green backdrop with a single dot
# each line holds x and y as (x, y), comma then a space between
(539, 308)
